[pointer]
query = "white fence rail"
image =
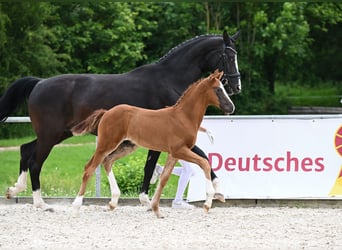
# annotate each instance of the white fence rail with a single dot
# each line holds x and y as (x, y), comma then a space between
(18, 119)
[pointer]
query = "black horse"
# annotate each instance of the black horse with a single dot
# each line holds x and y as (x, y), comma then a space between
(58, 103)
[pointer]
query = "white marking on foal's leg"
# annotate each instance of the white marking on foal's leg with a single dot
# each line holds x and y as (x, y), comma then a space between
(19, 186)
(78, 202)
(114, 189)
(210, 195)
(38, 201)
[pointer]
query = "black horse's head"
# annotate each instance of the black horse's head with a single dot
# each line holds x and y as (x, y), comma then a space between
(228, 64)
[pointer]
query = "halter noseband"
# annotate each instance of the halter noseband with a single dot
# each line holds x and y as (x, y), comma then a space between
(226, 74)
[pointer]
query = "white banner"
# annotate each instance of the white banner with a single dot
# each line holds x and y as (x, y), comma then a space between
(272, 156)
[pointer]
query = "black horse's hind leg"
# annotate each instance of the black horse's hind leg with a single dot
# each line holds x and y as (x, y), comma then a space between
(44, 145)
(26, 151)
(33, 155)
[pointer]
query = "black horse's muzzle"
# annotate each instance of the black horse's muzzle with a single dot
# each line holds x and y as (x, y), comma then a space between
(232, 83)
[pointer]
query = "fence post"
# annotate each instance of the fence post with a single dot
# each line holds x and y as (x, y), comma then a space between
(98, 179)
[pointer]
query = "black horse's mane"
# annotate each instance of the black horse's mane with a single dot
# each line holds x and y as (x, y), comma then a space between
(185, 43)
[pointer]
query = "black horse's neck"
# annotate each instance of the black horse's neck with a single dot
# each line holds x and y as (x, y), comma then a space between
(185, 63)
(194, 58)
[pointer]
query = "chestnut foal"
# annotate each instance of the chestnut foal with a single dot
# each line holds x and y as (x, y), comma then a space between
(171, 129)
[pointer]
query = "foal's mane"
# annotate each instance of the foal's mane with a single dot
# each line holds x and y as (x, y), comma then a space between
(188, 91)
(194, 39)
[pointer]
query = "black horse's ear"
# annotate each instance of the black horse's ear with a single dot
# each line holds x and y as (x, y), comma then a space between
(235, 36)
(226, 39)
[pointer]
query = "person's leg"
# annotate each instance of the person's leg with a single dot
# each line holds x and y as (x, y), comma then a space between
(159, 169)
(183, 181)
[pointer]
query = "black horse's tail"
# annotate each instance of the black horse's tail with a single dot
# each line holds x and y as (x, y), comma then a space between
(15, 95)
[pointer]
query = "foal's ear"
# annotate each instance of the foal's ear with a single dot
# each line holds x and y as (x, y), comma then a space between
(217, 74)
(220, 74)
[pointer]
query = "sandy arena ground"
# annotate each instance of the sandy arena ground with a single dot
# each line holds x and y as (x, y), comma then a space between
(132, 227)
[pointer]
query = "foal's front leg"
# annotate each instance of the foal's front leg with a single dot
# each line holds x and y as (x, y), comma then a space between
(165, 175)
(190, 156)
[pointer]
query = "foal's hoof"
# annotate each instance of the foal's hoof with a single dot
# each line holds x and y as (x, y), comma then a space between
(219, 197)
(112, 206)
(9, 193)
(159, 214)
(206, 208)
(49, 209)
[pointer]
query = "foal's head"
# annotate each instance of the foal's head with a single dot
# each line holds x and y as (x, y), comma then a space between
(218, 96)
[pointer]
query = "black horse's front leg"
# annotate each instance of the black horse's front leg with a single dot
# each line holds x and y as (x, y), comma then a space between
(218, 190)
(151, 161)
(200, 152)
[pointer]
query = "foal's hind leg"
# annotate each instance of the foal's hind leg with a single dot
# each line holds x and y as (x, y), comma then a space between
(169, 165)
(124, 149)
(106, 144)
(89, 170)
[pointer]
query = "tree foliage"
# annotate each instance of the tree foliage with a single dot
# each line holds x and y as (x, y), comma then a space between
(280, 41)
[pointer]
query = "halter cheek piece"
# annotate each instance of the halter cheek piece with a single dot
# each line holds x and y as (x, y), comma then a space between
(226, 74)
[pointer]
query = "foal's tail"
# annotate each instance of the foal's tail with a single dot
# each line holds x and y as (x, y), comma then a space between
(15, 95)
(90, 124)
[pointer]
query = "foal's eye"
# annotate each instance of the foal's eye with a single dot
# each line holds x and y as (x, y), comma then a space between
(218, 90)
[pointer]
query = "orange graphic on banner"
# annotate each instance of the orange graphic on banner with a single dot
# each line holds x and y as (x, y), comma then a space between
(337, 188)
(338, 141)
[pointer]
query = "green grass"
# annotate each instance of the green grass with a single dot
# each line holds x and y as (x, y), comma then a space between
(62, 172)
(326, 95)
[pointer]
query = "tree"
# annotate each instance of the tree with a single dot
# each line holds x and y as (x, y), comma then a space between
(280, 42)
(325, 20)
(101, 37)
(25, 41)
(277, 40)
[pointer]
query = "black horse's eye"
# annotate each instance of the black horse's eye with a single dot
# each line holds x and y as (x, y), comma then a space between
(224, 81)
